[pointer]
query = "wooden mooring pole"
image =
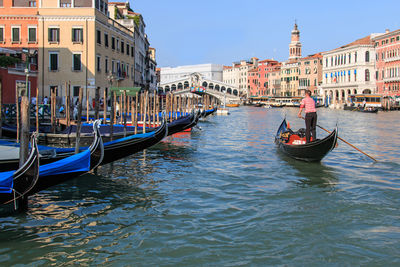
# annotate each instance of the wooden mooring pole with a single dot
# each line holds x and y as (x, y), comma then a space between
(78, 123)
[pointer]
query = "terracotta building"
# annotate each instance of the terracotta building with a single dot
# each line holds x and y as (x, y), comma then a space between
(387, 48)
(18, 30)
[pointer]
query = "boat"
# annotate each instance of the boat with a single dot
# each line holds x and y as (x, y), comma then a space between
(293, 144)
(223, 111)
(257, 105)
(72, 166)
(267, 106)
(181, 124)
(232, 105)
(16, 185)
(123, 147)
(361, 109)
(210, 111)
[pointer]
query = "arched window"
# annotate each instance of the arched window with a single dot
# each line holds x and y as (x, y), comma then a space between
(367, 56)
(367, 75)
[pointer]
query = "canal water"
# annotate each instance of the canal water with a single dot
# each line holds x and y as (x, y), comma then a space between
(223, 196)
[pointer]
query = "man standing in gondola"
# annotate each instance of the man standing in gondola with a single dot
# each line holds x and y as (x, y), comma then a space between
(308, 104)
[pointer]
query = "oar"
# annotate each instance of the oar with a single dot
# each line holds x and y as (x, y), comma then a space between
(347, 143)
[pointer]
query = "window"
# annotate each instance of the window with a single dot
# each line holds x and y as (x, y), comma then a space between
(127, 49)
(117, 44)
(355, 57)
(367, 56)
(113, 43)
(1, 34)
(32, 34)
(122, 46)
(77, 35)
(76, 90)
(32, 3)
(106, 65)
(113, 67)
(98, 63)
(65, 3)
(54, 35)
(15, 31)
(76, 62)
(106, 39)
(367, 75)
(53, 61)
(132, 51)
(98, 36)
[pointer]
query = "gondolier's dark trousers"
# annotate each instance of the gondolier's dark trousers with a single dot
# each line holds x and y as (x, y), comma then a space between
(311, 124)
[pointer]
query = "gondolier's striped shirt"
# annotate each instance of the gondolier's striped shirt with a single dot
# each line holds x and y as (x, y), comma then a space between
(308, 104)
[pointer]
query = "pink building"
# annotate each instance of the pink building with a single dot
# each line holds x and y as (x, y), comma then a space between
(259, 78)
(387, 47)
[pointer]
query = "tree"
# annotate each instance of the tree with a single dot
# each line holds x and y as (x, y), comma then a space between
(6, 61)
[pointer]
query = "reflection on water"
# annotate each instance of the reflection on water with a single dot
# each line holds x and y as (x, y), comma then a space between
(222, 196)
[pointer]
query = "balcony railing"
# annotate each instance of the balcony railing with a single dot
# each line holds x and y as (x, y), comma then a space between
(392, 79)
(391, 59)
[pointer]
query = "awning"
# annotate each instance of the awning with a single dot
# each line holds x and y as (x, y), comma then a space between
(130, 91)
(7, 51)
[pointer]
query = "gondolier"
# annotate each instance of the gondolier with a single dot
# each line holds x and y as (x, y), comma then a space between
(308, 104)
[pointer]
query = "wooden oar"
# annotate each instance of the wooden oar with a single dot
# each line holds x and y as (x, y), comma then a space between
(347, 143)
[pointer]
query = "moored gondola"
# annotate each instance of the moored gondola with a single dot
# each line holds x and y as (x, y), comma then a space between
(72, 166)
(17, 185)
(181, 124)
(293, 144)
(126, 146)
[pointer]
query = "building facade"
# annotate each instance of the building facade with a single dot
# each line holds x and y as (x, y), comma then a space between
(208, 71)
(347, 70)
(387, 73)
(80, 44)
(237, 75)
(18, 30)
(310, 76)
(259, 82)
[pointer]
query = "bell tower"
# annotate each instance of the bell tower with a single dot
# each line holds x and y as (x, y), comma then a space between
(295, 45)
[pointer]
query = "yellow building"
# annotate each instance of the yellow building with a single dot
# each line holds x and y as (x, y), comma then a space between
(79, 44)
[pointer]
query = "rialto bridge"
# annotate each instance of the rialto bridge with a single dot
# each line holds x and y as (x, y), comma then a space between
(217, 89)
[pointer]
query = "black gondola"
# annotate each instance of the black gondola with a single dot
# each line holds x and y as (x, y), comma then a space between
(113, 150)
(293, 144)
(18, 184)
(126, 146)
(181, 124)
(210, 111)
(73, 166)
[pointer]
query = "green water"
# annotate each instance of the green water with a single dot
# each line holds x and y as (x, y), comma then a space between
(223, 196)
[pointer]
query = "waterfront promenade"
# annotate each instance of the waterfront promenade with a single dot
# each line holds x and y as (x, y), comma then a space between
(224, 196)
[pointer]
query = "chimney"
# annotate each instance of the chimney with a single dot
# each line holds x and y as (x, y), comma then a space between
(387, 31)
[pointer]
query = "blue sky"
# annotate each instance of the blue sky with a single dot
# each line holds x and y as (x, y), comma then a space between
(188, 32)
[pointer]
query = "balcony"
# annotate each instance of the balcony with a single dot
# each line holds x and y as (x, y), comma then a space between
(391, 59)
(392, 79)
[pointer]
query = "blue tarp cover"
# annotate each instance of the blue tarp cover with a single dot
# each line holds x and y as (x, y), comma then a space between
(144, 135)
(76, 163)
(6, 182)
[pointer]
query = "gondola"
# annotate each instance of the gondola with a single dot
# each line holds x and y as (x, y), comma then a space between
(72, 166)
(126, 146)
(181, 124)
(293, 144)
(17, 185)
(210, 111)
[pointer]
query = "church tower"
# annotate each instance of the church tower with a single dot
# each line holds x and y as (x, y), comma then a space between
(295, 45)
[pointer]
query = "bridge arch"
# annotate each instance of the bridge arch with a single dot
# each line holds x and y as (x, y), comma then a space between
(180, 86)
(167, 88)
(173, 87)
(186, 84)
(223, 88)
(217, 87)
(211, 85)
(229, 91)
(205, 84)
(235, 92)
